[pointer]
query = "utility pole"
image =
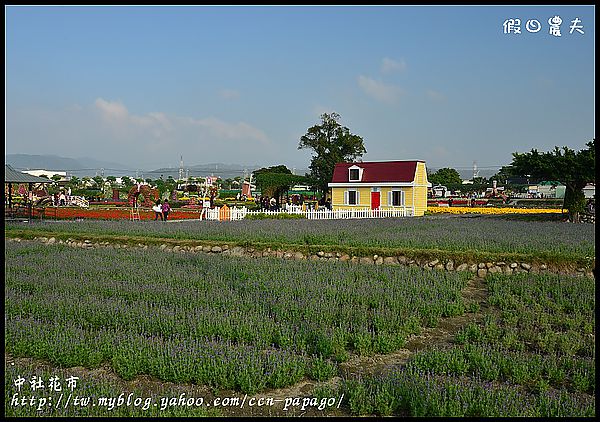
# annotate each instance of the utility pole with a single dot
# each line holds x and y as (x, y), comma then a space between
(181, 168)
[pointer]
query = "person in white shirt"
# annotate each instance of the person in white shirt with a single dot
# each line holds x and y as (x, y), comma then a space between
(157, 210)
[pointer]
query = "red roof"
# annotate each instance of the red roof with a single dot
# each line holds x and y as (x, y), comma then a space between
(377, 171)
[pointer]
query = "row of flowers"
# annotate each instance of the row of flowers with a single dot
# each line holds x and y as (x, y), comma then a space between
(492, 210)
(186, 214)
(111, 214)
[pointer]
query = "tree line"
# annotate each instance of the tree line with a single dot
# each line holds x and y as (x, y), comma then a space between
(333, 143)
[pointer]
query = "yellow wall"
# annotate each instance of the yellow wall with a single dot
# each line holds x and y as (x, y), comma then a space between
(337, 198)
(420, 189)
(365, 197)
(407, 196)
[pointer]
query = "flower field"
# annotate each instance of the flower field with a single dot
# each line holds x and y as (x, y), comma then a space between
(466, 235)
(112, 213)
(534, 357)
(492, 210)
(226, 322)
(240, 325)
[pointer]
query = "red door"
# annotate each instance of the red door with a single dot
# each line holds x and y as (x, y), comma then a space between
(375, 200)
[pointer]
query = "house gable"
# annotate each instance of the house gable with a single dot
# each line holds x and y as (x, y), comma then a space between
(375, 172)
(355, 173)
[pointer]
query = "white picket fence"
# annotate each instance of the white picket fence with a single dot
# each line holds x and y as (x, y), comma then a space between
(236, 213)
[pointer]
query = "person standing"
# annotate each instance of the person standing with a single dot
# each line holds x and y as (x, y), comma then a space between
(158, 211)
(165, 209)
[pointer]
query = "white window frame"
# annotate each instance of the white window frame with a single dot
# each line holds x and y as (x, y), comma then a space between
(360, 173)
(402, 198)
(347, 196)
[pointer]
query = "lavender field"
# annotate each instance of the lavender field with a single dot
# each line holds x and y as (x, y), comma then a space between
(546, 239)
(534, 356)
(227, 322)
(255, 325)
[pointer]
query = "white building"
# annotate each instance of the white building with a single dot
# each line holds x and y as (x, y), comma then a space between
(590, 190)
(440, 191)
(49, 173)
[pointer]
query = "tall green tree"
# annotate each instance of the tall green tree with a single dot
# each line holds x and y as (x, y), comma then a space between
(574, 169)
(73, 182)
(276, 180)
(331, 143)
(127, 182)
(445, 176)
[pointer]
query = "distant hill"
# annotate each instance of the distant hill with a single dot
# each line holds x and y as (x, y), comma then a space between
(224, 171)
(93, 163)
(75, 166)
(91, 167)
(48, 162)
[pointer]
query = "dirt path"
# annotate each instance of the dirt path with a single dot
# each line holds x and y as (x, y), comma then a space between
(442, 335)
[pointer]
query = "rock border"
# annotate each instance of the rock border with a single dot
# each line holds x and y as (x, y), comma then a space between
(481, 269)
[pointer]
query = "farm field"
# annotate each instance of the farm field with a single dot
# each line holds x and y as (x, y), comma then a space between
(483, 237)
(356, 339)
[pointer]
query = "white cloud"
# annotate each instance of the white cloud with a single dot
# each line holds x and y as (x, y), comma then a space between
(388, 65)
(111, 109)
(158, 123)
(145, 131)
(223, 130)
(435, 95)
(107, 130)
(380, 91)
(229, 94)
(108, 125)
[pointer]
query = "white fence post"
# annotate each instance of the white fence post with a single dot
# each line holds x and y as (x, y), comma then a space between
(312, 214)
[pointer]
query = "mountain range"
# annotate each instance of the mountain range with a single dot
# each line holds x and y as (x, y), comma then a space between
(85, 166)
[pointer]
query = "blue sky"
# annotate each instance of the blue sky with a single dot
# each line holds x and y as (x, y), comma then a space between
(241, 84)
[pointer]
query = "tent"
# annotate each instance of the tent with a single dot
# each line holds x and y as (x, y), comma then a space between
(13, 176)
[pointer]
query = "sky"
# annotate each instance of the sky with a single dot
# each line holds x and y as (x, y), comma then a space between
(146, 85)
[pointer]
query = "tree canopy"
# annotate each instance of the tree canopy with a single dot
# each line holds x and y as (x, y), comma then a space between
(445, 176)
(276, 180)
(332, 143)
(575, 169)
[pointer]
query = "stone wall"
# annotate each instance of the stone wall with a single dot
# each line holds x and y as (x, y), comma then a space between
(479, 268)
(588, 218)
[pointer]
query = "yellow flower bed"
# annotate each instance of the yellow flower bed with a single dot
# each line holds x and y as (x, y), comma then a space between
(492, 210)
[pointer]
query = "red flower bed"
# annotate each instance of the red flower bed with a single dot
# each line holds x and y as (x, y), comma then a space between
(71, 213)
(121, 203)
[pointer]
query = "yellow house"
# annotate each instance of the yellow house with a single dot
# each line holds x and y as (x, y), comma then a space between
(380, 185)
